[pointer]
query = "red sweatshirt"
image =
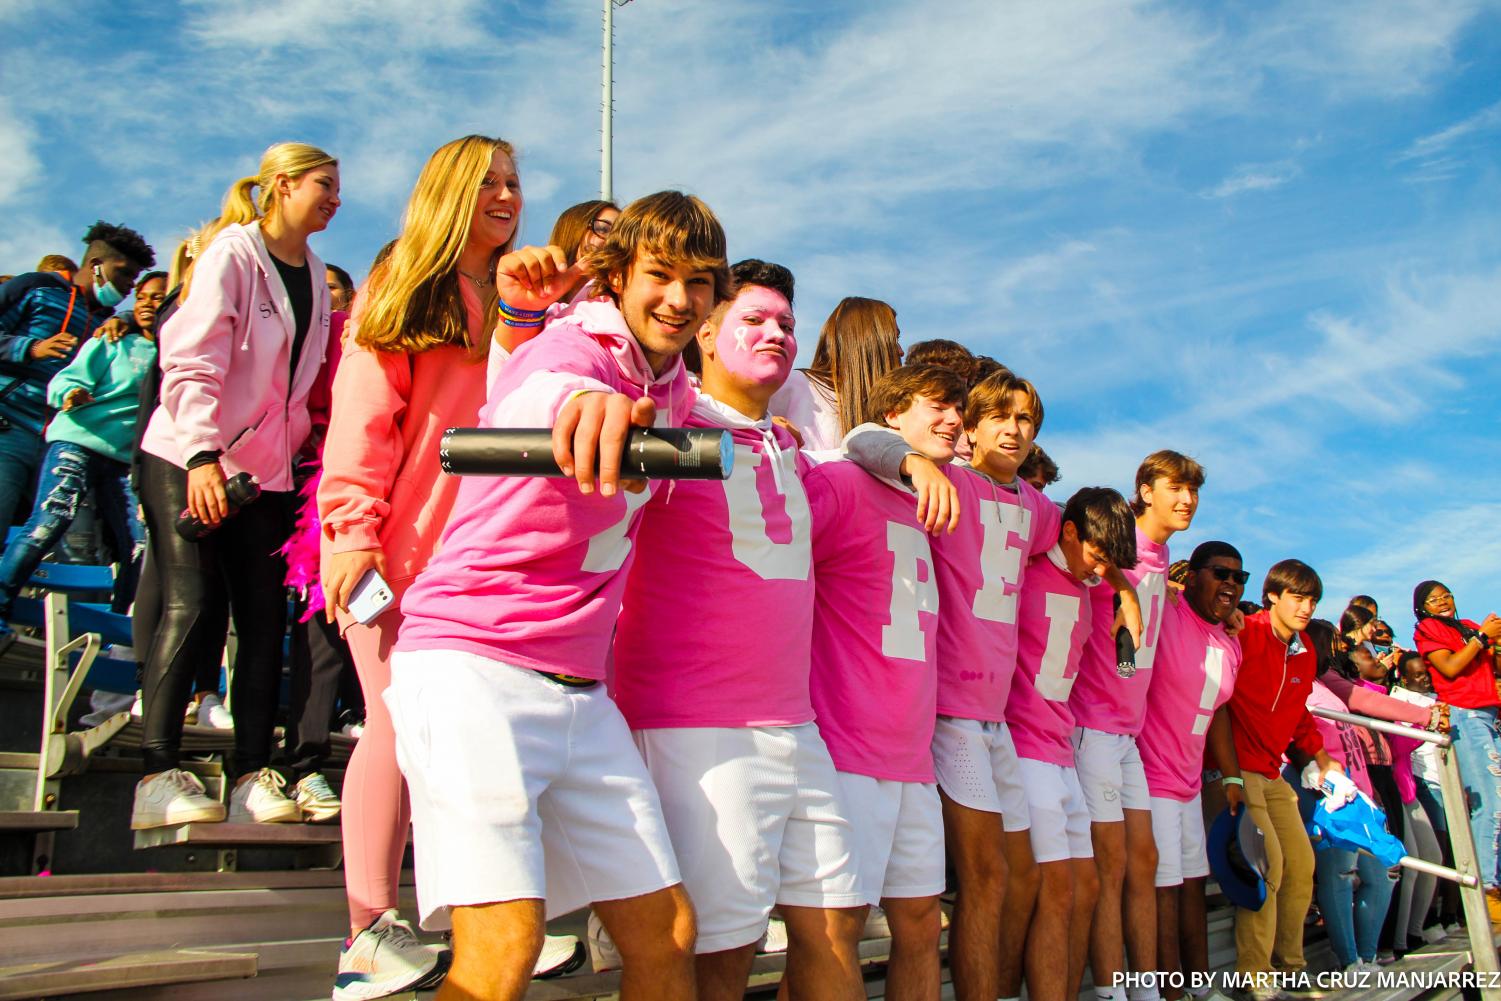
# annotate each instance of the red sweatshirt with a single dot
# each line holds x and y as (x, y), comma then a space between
(1269, 708)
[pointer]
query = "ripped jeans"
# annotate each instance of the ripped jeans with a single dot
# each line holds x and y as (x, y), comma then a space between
(1478, 749)
(69, 472)
(1354, 893)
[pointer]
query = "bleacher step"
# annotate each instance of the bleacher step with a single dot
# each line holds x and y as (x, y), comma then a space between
(240, 835)
(38, 820)
(136, 969)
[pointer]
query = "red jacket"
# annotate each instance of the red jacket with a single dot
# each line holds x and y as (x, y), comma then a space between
(1269, 709)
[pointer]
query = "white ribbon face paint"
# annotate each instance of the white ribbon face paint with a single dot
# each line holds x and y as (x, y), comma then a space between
(756, 337)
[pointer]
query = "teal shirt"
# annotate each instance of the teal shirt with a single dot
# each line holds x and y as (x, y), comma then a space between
(112, 374)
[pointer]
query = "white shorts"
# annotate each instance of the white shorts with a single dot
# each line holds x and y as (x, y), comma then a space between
(1110, 774)
(521, 788)
(898, 836)
(757, 820)
(1178, 829)
(976, 766)
(1060, 820)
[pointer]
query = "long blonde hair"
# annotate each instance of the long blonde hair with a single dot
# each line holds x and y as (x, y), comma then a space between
(290, 158)
(415, 302)
(858, 345)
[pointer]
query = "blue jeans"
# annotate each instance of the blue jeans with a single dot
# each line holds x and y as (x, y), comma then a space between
(1478, 749)
(20, 458)
(1353, 915)
(69, 472)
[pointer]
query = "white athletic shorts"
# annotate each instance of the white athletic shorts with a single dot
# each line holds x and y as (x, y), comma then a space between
(1178, 829)
(976, 766)
(521, 788)
(1110, 774)
(1060, 820)
(757, 820)
(898, 836)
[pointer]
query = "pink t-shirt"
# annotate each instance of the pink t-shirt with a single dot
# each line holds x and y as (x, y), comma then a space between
(1102, 699)
(530, 571)
(1341, 740)
(875, 625)
(980, 568)
(1054, 616)
(1194, 674)
(717, 621)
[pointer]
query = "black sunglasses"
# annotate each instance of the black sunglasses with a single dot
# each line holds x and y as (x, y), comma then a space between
(1225, 573)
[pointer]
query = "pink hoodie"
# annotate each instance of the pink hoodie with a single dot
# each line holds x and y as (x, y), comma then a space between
(225, 358)
(381, 483)
(530, 571)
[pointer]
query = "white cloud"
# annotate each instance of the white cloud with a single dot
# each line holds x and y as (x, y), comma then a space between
(1374, 48)
(1254, 177)
(334, 24)
(19, 167)
(1434, 144)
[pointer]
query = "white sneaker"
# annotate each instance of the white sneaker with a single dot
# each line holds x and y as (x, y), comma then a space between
(211, 712)
(602, 952)
(351, 725)
(560, 956)
(386, 958)
(315, 800)
(172, 797)
(1433, 935)
(260, 800)
(775, 939)
(876, 925)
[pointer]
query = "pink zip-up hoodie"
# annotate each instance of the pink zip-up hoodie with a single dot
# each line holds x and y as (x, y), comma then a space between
(226, 359)
(531, 571)
(382, 486)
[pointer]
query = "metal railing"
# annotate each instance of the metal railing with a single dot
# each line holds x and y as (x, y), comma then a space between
(1466, 871)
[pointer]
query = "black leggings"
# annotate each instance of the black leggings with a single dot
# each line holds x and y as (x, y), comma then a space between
(146, 616)
(320, 660)
(243, 559)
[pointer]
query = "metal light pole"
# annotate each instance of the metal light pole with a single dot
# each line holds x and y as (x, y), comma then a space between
(606, 182)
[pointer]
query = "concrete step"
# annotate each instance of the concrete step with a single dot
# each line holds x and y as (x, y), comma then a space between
(151, 970)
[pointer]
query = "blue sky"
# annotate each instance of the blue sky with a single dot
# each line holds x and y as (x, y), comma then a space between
(1262, 233)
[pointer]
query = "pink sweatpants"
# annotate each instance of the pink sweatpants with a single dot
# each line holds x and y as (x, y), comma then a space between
(376, 812)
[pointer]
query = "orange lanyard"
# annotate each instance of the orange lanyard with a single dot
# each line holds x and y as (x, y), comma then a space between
(72, 298)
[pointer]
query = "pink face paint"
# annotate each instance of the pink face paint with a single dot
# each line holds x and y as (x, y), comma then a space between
(755, 341)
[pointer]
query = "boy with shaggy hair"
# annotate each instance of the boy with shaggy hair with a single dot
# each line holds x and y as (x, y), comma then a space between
(507, 633)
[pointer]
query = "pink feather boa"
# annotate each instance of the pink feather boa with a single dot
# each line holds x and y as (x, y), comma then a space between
(303, 548)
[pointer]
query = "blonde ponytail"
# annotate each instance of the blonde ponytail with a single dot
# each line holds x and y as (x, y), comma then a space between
(238, 205)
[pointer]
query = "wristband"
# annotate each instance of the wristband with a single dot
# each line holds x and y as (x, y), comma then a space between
(516, 312)
(1232, 780)
(526, 324)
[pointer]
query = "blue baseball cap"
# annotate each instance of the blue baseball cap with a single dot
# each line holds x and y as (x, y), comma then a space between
(1237, 857)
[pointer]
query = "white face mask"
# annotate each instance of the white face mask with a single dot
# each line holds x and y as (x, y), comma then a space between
(108, 295)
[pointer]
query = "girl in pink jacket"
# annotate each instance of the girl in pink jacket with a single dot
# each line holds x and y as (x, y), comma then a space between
(238, 360)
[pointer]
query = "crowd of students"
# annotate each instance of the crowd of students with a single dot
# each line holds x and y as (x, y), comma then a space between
(875, 653)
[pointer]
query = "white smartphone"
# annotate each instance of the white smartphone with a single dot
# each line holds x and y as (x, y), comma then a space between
(371, 596)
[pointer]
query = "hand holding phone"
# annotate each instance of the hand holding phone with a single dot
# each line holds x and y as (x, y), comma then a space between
(370, 597)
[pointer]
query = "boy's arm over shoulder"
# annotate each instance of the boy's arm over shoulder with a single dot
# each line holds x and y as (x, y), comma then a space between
(85, 371)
